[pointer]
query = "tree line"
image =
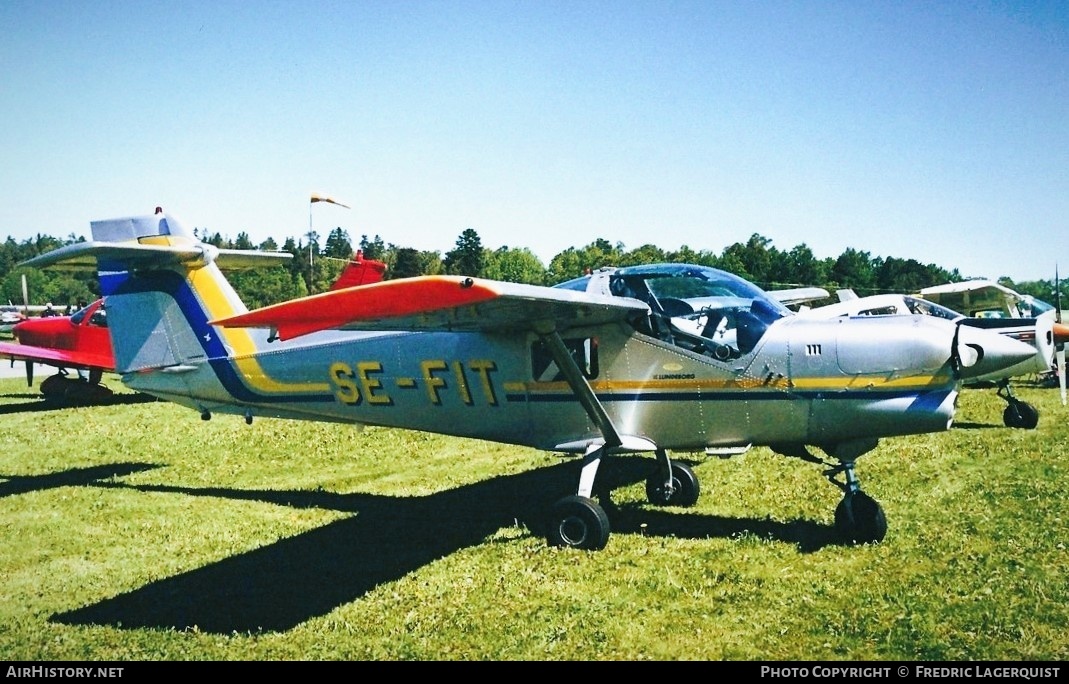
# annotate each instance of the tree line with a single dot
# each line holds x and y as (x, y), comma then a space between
(315, 266)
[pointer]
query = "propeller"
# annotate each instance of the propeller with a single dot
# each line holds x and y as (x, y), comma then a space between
(25, 297)
(26, 311)
(964, 355)
(1059, 352)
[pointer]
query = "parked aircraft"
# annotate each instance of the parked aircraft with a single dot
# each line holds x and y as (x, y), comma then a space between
(1043, 333)
(988, 299)
(78, 342)
(595, 366)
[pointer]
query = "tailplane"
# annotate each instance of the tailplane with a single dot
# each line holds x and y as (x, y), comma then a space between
(161, 286)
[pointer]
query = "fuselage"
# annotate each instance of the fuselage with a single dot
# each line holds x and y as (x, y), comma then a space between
(807, 382)
(713, 362)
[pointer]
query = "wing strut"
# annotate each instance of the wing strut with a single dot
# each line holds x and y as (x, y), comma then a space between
(581, 387)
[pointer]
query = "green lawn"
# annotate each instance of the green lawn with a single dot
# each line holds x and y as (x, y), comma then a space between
(137, 531)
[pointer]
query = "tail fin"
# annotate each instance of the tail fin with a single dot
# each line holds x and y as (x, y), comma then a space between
(360, 271)
(162, 286)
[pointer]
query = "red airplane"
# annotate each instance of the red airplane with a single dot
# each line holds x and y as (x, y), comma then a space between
(77, 342)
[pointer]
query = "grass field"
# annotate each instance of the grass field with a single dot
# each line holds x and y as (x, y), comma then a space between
(138, 532)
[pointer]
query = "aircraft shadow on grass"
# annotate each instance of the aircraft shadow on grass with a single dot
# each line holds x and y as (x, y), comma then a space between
(37, 404)
(279, 586)
(77, 477)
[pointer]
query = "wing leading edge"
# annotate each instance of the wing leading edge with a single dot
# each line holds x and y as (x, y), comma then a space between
(453, 303)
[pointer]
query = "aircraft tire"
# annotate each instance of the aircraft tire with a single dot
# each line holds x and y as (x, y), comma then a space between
(54, 388)
(579, 523)
(859, 519)
(684, 481)
(1019, 414)
(69, 391)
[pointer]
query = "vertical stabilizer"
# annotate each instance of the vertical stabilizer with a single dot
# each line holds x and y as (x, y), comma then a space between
(161, 300)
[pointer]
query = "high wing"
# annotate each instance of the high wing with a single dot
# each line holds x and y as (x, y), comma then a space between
(977, 298)
(446, 303)
(60, 358)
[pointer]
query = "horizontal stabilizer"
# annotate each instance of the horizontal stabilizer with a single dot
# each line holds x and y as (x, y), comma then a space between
(454, 303)
(86, 255)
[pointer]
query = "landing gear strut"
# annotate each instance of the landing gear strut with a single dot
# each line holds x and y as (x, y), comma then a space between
(1018, 414)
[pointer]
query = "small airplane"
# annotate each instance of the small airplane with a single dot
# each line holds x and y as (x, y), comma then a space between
(986, 299)
(1044, 333)
(78, 342)
(595, 366)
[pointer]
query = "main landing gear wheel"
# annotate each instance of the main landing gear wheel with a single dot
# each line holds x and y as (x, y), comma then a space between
(1019, 414)
(681, 490)
(64, 390)
(579, 523)
(859, 519)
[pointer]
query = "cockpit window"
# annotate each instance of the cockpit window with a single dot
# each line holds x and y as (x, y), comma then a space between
(923, 306)
(702, 309)
(98, 317)
(1030, 307)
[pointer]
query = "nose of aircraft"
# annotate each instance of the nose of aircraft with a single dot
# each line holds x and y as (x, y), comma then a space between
(982, 352)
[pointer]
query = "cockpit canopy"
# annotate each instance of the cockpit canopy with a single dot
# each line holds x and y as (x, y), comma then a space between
(699, 308)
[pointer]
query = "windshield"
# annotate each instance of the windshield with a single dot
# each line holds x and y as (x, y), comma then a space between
(1030, 307)
(923, 306)
(702, 309)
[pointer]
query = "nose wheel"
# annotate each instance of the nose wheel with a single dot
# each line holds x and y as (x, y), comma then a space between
(1018, 414)
(859, 519)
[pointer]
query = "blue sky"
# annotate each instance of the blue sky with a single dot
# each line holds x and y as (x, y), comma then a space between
(937, 131)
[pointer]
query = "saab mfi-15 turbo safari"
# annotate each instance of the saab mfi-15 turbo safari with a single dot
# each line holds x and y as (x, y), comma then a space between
(644, 359)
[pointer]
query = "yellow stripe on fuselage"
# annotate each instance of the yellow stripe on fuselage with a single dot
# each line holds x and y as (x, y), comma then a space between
(213, 296)
(834, 383)
(238, 340)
